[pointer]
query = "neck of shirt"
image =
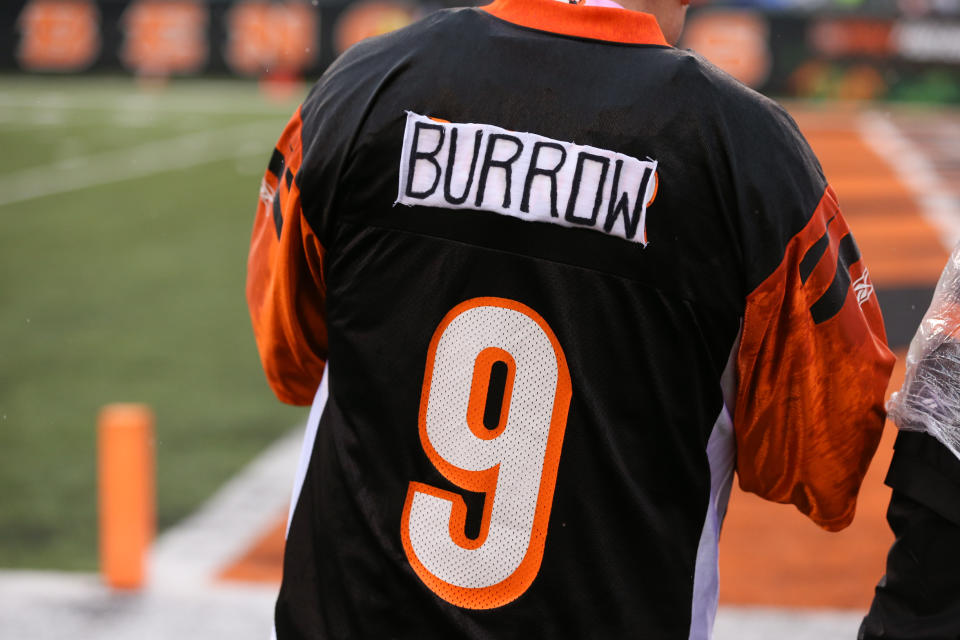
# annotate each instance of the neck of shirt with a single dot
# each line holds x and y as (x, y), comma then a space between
(593, 19)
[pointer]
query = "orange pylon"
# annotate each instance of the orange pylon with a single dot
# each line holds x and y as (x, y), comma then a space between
(126, 470)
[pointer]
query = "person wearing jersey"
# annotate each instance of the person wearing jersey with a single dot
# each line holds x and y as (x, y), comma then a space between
(548, 281)
(919, 595)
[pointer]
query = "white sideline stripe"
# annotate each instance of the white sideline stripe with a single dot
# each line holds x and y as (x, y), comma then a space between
(937, 203)
(139, 161)
(224, 527)
(764, 623)
(142, 103)
(50, 605)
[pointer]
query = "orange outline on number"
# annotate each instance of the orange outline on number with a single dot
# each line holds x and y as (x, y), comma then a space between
(485, 481)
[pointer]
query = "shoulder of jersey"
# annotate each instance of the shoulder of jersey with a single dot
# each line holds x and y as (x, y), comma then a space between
(712, 83)
(752, 120)
(415, 36)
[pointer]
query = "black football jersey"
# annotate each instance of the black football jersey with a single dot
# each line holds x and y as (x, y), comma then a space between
(548, 281)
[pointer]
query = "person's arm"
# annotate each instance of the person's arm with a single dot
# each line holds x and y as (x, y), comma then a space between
(813, 367)
(919, 597)
(285, 282)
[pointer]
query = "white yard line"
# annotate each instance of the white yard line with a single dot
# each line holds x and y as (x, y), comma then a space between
(142, 102)
(229, 523)
(48, 605)
(763, 623)
(181, 152)
(938, 205)
(53, 605)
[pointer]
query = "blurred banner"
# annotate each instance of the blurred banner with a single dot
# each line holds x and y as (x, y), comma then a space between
(837, 49)
(828, 53)
(257, 38)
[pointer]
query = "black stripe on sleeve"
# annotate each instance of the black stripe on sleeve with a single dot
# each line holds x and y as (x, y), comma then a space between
(277, 214)
(814, 253)
(276, 163)
(288, 177)
(830, 303)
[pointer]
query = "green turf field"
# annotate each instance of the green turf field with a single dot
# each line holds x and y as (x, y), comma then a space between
(126, 213)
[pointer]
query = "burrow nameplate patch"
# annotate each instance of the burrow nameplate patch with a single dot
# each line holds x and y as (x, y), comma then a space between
(524, 175)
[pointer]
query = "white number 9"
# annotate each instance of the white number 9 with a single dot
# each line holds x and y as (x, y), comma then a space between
(514, 464)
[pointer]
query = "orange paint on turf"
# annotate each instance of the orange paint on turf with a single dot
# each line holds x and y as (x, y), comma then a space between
(263, 562)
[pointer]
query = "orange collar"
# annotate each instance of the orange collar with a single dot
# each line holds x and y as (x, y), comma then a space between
(597, 23)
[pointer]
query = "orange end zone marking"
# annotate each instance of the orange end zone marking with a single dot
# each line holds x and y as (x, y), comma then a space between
(262, 562)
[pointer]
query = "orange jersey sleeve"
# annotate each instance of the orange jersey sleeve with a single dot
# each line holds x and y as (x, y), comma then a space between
(813, 366)
(285, 282)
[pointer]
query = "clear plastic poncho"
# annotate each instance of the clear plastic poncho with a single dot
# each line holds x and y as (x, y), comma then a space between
(929, 400)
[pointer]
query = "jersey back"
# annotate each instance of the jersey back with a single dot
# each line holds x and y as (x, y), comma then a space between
(540, 251)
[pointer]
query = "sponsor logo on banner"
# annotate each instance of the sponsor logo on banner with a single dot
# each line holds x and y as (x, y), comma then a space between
(372, 18)
(58, 35)
(525, 176)
(270, 37)
(164, 37)
(737, 41)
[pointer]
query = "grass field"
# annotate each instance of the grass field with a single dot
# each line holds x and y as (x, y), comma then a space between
(126, 213)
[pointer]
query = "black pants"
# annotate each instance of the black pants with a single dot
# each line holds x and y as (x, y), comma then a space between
(919, 597)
